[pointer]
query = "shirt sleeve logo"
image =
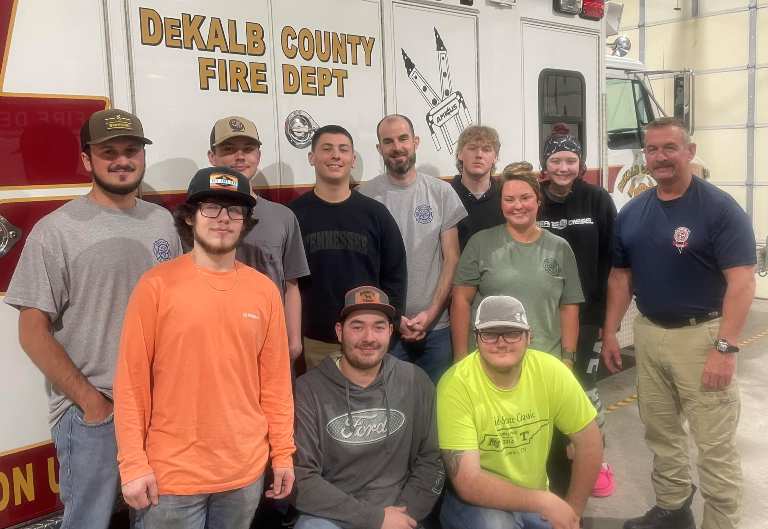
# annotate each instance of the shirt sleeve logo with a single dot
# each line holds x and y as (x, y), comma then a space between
(423, 214)
(162, 250)
(680, 238)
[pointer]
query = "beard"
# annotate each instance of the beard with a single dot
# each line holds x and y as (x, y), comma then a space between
(363, 362)
(400, 168)
(211, 249)
(118, 189)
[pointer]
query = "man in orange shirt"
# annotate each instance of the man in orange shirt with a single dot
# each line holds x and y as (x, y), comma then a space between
(203, 384)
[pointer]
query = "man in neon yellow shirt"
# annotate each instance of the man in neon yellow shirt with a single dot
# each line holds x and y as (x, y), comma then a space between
(496, 410)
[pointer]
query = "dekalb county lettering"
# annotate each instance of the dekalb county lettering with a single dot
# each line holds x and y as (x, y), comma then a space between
(368, 426)
(247, 38)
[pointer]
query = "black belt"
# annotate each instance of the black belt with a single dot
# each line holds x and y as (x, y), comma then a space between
(689, 321)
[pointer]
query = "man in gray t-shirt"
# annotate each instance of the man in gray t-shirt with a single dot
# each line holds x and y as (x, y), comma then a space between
(71, 286)
(274, 247)
(427, 211)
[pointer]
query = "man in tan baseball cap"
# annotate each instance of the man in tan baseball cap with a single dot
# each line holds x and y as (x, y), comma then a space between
(274, 247)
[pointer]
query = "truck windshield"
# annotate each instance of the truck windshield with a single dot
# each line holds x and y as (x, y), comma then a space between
(628, 111)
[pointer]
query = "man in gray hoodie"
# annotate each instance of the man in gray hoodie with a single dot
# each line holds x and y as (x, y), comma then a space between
(367, 453)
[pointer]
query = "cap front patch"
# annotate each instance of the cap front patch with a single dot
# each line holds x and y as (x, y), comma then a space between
(236, 125)
(118, 123)
(367, 296)
(223, 181)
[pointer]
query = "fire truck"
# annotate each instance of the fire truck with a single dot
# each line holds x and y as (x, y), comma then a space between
(291, 66)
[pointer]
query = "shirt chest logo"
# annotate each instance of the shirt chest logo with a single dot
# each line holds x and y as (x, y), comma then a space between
(162, 250)
(423, 213)
(680, 238)
(551, 266)
(366, 427)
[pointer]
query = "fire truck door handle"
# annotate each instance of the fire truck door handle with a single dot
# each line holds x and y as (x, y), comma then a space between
(9, 236)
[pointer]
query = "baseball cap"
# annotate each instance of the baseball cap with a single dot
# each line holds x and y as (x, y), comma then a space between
(367, 297)
(108, 124)
(220, 182)
(501, 312)
(231, 127)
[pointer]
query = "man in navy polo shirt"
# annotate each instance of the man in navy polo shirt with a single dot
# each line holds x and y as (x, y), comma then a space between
(687, 251)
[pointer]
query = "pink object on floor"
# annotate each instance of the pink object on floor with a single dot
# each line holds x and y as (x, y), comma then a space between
(605, 484)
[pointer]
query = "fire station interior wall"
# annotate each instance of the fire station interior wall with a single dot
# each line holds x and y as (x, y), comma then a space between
(53, 32)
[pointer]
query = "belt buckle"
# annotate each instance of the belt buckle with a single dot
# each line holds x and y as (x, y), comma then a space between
(692, 322)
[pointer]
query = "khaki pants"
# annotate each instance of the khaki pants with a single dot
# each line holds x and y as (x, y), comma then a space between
(315, 351)
(669, 367)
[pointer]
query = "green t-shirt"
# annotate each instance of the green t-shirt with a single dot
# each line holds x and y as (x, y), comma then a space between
(542, 274)
(511, 428)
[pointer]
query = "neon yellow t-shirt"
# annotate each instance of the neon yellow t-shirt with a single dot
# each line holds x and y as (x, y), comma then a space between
(511, 428)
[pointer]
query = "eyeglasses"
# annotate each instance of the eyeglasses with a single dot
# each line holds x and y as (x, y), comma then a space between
(212, 211)
(493, 337)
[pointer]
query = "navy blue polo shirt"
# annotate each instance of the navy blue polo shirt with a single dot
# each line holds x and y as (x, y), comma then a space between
(677, 249)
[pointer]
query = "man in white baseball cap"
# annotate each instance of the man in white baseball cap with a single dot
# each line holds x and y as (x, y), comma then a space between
(496, 411)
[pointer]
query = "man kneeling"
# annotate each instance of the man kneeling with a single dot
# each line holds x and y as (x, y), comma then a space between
(367, 455)
(496, 411)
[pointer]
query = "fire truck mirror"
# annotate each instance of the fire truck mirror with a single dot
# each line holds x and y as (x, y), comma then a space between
(9, 236)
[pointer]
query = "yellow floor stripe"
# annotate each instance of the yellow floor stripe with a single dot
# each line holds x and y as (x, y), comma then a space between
(632, 398)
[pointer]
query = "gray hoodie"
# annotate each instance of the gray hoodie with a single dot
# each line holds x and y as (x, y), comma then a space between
(350, 474)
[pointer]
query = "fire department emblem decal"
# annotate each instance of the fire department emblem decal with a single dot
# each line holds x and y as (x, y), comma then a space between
(680, 238)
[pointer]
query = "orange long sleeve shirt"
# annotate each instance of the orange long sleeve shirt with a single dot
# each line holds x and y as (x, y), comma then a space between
(203, 385)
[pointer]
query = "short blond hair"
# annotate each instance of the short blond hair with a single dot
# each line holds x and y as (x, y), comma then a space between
(663, 123)
(480, 134)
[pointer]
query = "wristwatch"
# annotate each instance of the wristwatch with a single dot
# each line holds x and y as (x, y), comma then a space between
(568, 355)
(722, 346)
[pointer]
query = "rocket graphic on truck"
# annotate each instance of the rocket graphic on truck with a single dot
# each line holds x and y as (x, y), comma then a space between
(448, 114)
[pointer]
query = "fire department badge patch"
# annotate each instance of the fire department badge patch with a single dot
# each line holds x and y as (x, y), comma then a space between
(680, 238)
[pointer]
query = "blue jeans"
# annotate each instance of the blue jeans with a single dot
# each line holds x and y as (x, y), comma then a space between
(312, 522)
(232, 509)
(433, 354)
(89, 482)
(455, 514)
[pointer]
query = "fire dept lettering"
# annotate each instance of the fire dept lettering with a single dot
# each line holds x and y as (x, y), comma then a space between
(247, 38)
(366, 427)
(513, 434)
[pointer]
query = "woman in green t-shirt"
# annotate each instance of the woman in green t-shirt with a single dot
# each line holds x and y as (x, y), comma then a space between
(520, 259)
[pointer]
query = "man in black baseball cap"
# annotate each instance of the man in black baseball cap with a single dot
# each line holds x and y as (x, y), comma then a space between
(216, 195)
(365, 428)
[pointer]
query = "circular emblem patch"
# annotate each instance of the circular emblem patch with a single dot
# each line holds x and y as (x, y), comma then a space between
(162, 250)
(236, 125)
(423, 214)
(551, 266)
(680, 238)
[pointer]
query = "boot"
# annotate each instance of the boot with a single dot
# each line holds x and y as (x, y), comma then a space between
(658, 518)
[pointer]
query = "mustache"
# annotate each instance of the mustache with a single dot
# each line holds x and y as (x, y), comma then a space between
(121, 168)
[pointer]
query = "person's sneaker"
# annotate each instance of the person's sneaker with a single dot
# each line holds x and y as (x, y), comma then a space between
(605, 484)
(658, 518)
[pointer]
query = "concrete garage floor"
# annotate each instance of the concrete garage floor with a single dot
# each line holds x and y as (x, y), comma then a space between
(631, 460)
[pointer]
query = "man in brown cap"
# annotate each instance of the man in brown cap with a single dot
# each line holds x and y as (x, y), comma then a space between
(274, 246)
(71, 286)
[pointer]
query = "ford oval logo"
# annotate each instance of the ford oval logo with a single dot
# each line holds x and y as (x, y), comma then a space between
(368, 426)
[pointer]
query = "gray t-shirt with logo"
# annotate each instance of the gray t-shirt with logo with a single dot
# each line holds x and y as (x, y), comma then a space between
(274, 246)
(423, 210)
(79, 265)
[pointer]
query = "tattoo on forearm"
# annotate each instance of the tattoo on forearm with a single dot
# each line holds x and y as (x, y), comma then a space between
(452, 459)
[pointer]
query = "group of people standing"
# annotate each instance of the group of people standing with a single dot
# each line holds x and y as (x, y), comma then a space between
(492, 288)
